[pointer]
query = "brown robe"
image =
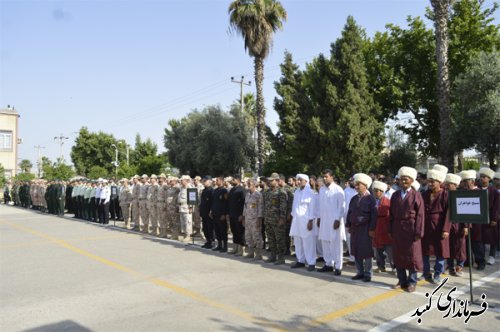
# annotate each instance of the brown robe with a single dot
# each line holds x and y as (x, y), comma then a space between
(362, 218)
(436, 222)
(407, 220)
(458, 246)
(490, 233)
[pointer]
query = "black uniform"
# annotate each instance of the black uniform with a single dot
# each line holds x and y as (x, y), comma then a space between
(205, 207)
(235, 204)
(219, 208)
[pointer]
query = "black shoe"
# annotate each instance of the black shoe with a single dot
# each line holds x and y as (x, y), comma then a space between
(481, 267)
(326, 268)
(320, 260)
(218, 248)
(311, 268)
(296, 265)
(367, 279)
(224, 249)
(358, 277)
(337, 272)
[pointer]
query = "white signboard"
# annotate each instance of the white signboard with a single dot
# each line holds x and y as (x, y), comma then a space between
(468, 205)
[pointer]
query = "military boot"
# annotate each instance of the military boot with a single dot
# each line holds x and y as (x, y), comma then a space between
(224, 246)
(250, 253)
(280, 260)
(234, 251)
(219, 246)
(258, 254)
(240, 250)
(163, 232)
(271, 259)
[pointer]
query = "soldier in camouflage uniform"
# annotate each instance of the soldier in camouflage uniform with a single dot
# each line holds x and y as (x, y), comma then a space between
(252, 220)
(161, 205)
(185, 211)
(135, 211)
(173, 222)
(143, 203)
(275, 206)
(152, 207)
(125, 198)
(196, 211)
(289, 202)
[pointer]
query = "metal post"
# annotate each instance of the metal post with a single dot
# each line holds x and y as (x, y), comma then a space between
(470, 265)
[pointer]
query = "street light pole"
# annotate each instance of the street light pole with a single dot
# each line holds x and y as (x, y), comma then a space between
(61, 139)
(116, 159)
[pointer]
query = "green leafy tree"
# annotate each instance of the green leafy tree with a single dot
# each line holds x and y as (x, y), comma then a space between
(328, 117)
(126, 171)
(142, 149)
(93, 149)
(257, 21)
(96, 172)
(53, 171)
(24, 177)
(477, 106)
(209, 142)
(25, 165)
(400, 153)
(3, 180)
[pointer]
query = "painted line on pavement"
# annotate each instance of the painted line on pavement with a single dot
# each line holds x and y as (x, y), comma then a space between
(406, 318)
(80, 239)
(162, 283)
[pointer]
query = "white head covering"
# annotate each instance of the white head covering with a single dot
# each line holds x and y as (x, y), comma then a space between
(302, 176)
(488, 172)
(469, 174)
(497, 175)
(408, 171)
(436, 175)
(364, 179)
(440, 168)
(453, 178)
(379, 185)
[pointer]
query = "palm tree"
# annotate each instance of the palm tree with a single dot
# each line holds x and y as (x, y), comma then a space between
(25, 165)
(441, 10)
(256, 21)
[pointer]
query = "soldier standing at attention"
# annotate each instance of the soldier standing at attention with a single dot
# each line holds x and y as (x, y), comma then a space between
(196, 215)
(252, 220)
(134, 208)
(161, 204)
(235, 205)
(218, 214)
(185, 211)
(152, 207)
(143, 204)
(125, 199)
(275, 207)
(173, 224)
(204, 208)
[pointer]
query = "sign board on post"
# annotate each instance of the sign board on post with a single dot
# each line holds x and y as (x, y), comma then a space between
(192, 196)
(469, 206)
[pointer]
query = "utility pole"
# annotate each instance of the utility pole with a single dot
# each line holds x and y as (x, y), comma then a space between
(61, 139)
(116, 159)
(241, 83)
(39, 160)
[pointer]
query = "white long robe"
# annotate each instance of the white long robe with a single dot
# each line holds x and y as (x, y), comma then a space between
(303, 210)
(331, 207)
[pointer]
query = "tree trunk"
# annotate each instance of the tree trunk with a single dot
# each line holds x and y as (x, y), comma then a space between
(441, 10)
(261, 112)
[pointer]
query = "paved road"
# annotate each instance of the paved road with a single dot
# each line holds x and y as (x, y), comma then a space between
(59, 274)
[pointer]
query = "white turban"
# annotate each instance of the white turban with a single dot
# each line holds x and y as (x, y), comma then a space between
(453, 178)
(440, 168)
(415, 185)
(364, 179)
(379, 185)
(488, 172)
(408, 171)
(436, 175)
(469, 174)
(302, 176)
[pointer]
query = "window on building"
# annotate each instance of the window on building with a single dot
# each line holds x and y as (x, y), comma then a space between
(5, 140)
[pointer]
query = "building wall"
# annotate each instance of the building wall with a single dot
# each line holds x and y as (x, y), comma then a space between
(9, 125)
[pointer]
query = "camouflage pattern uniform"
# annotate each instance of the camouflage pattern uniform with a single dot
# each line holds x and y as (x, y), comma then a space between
(125, 198)
(173, 224)
(289, 200)
(275, 206)
(136, 190)
(153, 207)
(143, 207)
(253, 214)
(185, 214)
(196, 211)
(161, 205)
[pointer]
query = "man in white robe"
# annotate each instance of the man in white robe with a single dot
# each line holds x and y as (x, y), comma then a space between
(331, 210)
(302, 228)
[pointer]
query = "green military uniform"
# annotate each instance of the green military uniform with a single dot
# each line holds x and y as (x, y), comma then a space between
(275, 208)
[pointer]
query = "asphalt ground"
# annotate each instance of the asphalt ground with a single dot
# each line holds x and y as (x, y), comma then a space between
(60, 274)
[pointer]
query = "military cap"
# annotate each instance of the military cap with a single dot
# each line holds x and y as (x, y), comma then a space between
(197, 177)
(274, 176)
(186, 177)
(144, 176)
(207, 177)
(162, 175)
(153, 176)
(135, 176)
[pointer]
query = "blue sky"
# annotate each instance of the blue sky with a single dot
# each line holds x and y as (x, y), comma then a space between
(127, 67)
